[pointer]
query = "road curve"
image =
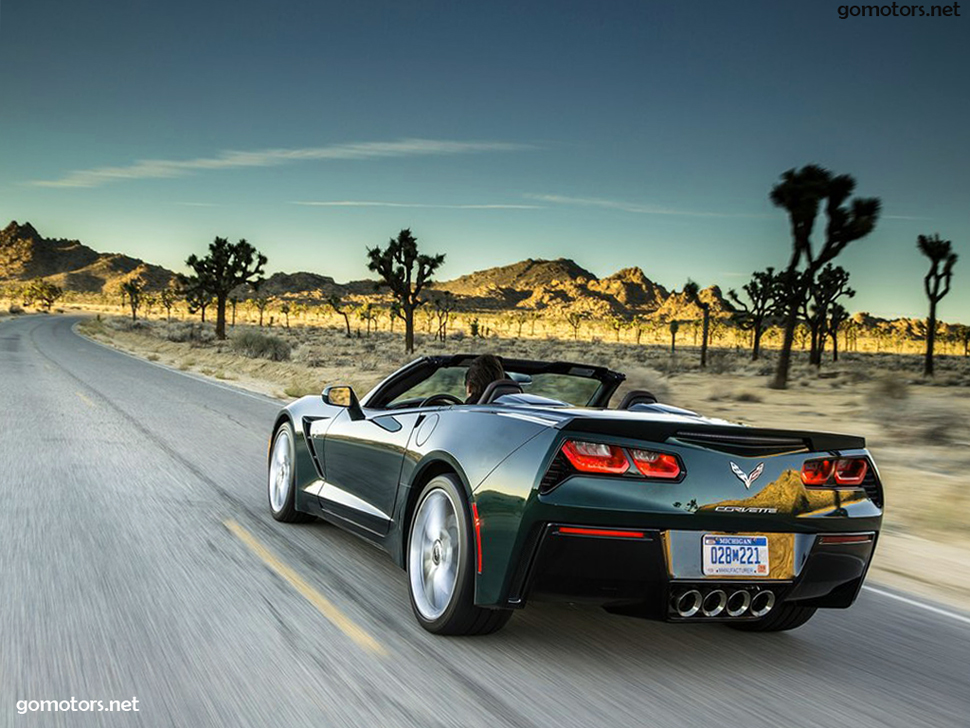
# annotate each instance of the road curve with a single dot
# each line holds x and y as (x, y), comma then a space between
(119, 578)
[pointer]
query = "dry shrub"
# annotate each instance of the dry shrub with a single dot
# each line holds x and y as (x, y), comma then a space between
(261, 346)
(14, 309)
(889, 386)
(721, 362)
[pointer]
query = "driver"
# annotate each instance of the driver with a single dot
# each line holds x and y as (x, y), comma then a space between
(483, 370)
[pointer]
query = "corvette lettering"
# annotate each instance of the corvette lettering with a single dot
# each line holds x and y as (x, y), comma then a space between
(744, 509)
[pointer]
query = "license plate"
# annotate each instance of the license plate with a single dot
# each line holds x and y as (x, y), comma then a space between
(736, 556)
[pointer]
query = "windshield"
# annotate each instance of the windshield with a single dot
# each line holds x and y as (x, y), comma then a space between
(564, 388)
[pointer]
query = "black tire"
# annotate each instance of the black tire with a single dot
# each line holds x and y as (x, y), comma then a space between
(286, 511)
(781, 619)
(460, 615)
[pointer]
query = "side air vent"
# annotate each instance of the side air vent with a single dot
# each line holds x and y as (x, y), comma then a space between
(873, 488)
(743, 445)
(558, 471)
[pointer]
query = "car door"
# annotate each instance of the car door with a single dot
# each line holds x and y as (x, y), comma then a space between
(363, 460)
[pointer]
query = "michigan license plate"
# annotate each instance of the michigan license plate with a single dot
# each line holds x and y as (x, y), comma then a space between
(736, 556)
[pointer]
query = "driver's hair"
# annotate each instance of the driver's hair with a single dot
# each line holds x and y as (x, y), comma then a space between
(483, 370)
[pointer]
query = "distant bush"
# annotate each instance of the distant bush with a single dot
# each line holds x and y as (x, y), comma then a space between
(721, 362)
(15, 310)
(185, 331)
(261, 346)
(890, 386)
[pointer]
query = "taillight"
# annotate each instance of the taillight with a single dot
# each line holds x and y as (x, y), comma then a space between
(656, 464)
(595, 457)
(817, 472)
(851, 471)
(844, 471)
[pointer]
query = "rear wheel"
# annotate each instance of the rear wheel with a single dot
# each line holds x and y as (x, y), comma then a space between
(781, 619)
(441, 579)
(281, 478)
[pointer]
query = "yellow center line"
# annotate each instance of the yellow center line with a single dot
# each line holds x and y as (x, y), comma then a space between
(323, 605)
(86, 401)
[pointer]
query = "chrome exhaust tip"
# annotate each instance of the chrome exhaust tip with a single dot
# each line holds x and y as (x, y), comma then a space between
(688, 604)
(714, 603)
(738, 603)
(761, 603)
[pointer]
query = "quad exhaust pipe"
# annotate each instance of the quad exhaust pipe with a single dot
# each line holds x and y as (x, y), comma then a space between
(721, 603)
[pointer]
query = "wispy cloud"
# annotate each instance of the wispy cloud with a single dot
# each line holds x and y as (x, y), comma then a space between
(163, 168)
(197, 204)
(633, 207)
(370, 203)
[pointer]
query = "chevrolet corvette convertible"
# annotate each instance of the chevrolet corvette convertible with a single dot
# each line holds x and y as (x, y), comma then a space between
(544, 490)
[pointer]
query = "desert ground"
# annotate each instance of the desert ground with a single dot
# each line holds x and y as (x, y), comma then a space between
(917, 430)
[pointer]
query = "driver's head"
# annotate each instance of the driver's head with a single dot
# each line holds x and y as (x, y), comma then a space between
(483, 370)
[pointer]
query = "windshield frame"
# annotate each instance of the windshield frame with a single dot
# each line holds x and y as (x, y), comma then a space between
(419, 370)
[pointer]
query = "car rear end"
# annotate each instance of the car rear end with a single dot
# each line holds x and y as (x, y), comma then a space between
(688, 521)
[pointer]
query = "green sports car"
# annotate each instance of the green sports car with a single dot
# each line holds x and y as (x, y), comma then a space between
(543, 490)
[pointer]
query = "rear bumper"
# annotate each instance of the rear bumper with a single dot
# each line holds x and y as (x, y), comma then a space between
(632, 571)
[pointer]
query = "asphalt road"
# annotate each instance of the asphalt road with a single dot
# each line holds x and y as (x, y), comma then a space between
(119, 578)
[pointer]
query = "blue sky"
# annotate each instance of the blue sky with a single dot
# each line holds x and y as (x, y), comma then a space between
(643, 134)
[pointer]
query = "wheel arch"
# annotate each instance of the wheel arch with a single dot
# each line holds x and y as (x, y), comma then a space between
(433, 465)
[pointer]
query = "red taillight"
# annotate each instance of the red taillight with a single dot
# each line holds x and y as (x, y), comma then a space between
(478, 534)
(656, 464)
(595, 457)
(817, 472)
(846, 471)
(851, 471)
(600, 532)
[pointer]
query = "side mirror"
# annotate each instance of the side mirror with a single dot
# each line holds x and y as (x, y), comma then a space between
(344, 396)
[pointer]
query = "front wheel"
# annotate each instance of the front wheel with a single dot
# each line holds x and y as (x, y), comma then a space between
(281, 478)
(441, 579)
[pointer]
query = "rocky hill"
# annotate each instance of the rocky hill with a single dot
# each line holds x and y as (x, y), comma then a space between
(25, 254)
(537, 284)
(558, 284)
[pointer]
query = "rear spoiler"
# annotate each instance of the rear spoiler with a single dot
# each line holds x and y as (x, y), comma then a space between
(736, 439)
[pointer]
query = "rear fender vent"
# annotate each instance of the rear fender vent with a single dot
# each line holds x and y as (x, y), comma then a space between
(873, 487)
(743, 445)
(559, 470)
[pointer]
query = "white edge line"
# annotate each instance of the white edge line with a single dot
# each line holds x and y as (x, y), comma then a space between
(920, 605)
(191, 375)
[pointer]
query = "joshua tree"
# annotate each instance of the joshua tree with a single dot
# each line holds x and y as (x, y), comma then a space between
(43, 292)
(617, 323)
(444, 306)
(406, 272)
(575, 320)
(226, 266)
(838, 315)
(763, 293)
(134, 289)
(801, 192)
(234, 303)
(339, 307)
(825, 291)
(196, 296)
(674, 328)
(285, 310)
(368, 314)
(518, 319)
(167, 298)
(692, 294)
(936, 283)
